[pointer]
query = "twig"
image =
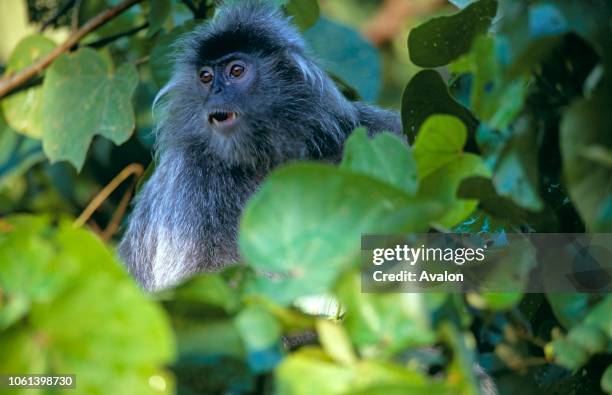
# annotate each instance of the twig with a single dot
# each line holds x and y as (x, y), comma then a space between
(12, 81)
(107, 40)
(115, 221)
(62, 11)
(134, 169)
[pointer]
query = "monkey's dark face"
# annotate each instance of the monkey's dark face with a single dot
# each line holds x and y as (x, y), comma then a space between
(244, 92)
(226, 83)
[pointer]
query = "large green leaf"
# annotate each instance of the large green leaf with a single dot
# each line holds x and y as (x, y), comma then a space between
(304, 225)
(441, 40)
(348, 56)
(386, 158)
(382, 324)
(22, 109)
(310, 371)
(585, 124)
(442, 165)
(427, 94)
(85, 315)
(99, 100)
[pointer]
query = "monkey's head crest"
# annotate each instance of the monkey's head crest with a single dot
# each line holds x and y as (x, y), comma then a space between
(245, 91)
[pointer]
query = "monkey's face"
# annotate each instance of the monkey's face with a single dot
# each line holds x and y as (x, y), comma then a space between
(226, 82)
(242, 106)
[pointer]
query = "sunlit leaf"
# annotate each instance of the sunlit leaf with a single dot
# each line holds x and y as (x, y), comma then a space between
(111, 347)
(22, 109)
(86, 84)
(386, 158)
(305, 214)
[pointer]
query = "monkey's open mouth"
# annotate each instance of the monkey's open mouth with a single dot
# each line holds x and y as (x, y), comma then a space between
(222, 118)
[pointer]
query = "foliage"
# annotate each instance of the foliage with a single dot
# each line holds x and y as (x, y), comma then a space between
(510, 133)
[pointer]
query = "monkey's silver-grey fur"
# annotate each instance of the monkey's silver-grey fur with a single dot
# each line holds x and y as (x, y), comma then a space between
(245, 97)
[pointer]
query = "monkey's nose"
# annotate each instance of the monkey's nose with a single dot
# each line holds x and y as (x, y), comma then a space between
(217, 88)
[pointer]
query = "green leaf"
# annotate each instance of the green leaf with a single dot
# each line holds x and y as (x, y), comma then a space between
(444, 183)
(606, 380)
(584, 340)
(586, 123)
(261, 333)
(516, 173)
(22, 109)
(159, 12)
(305, 13)
(309, 371)
(590, 338)
(567, 354)
(600, 317)
(258, 328)
(569, 308)
(335, 341)
(440, 141)
(308, 214)
(86, 84)
(439, 41)
(442, 165)
(383, 323)
(208, 288)
(385, 157)
(427, 94)
(348, 56)
(115, 346)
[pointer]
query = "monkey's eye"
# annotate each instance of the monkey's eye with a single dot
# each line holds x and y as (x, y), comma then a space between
(236, 70)
(206, 75)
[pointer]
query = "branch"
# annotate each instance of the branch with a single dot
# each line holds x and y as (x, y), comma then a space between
(134, 169)
(107, 40)
(12, 81)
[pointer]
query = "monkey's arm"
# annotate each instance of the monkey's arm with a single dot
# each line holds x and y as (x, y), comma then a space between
(377, 120)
